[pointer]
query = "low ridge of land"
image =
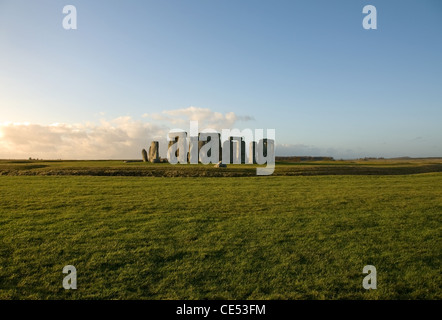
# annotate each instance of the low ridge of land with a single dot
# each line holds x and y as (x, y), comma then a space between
(283, 168)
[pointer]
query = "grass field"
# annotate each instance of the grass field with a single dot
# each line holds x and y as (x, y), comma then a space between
(120, 168)
(288, 236)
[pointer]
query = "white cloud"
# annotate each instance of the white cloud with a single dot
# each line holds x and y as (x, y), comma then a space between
(206, 118)
(120, 138)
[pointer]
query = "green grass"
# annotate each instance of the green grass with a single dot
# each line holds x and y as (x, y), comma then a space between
(119, 168)
(278, 237)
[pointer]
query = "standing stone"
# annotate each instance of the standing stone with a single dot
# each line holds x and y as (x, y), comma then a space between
(252, 152)
(144, 154)
(200, 145)
(226, 152)
(171, 143)
(154, 154)
(265, 146)
(243, 151)
(265, 149)
(177, 143)
(237, 150)
(193, 154)
(209, 152)
(220, 148)
(231, 143)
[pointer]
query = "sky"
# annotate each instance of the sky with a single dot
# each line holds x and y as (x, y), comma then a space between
(133, 70)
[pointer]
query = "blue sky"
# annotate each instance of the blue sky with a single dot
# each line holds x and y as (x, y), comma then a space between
(305, 68)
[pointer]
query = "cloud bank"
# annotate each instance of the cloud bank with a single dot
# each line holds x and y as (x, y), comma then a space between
(120, 138)
(179, 118)
(124, 137)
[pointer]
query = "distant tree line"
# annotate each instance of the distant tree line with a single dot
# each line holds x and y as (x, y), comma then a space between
(303, 158)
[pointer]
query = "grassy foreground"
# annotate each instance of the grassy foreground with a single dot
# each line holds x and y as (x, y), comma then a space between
(277, 237)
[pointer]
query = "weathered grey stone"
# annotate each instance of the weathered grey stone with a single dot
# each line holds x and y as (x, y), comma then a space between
(226, 152)
(193, 154)
(177, 150)
(243, 151)
(252, 152)
(209, 146)
(265, 144)
(220, 149)
(220, 165)
(233, 156)
(144, 155)
(237, 147)
(265, 151)
(154, 152)
(171, 143)
(200, 145)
